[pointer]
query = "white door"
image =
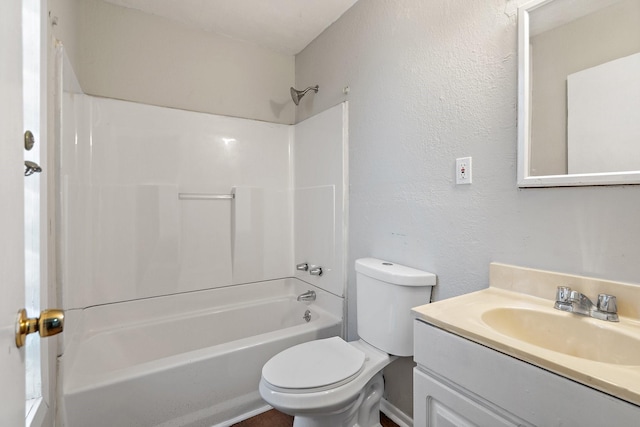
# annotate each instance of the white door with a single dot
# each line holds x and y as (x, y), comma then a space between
(12, 377)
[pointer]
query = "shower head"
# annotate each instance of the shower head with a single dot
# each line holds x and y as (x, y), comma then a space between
(297, 95)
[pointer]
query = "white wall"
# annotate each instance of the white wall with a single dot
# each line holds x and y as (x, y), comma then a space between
(432, 81)
(130, 227)
(320, 205)
(127, 54)
(125, 231)
(602, 117)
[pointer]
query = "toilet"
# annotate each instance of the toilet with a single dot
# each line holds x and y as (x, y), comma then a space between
(334, 383)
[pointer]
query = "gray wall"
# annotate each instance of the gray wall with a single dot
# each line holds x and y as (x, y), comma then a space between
(127, 54)
(431, 81)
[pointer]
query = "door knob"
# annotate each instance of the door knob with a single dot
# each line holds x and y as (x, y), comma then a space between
(50, 322)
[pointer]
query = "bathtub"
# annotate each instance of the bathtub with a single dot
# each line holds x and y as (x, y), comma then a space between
(185, 360)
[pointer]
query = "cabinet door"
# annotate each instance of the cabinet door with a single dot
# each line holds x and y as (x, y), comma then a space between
(438, 405)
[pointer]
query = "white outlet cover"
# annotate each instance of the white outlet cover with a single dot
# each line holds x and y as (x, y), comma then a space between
(463, 170)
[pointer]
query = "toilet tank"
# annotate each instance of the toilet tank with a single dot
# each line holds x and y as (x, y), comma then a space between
(386, 294)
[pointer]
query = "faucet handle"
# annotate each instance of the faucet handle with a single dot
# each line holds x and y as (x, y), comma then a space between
(302, 266)
(607, 303)
(563, 294)
(563, 299)
(315, 271)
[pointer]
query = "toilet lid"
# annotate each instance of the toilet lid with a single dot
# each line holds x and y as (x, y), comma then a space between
(313, 364)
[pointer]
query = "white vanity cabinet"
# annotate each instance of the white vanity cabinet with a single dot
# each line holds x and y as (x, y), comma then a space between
(459, 383)
(439, 403)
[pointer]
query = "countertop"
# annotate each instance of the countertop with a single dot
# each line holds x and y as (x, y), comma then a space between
(463, 316)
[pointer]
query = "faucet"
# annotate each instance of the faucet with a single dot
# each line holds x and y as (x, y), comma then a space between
(606, 307)
(307, 296)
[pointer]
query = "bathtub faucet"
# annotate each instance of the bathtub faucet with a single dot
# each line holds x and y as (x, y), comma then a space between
(307, 296)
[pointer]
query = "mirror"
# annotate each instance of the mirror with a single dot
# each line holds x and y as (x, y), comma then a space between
(578, 93)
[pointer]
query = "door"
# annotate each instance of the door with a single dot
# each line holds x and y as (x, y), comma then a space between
(12, 376)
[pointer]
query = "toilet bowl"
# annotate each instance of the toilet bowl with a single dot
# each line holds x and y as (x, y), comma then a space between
(322, 378)
(334, 383)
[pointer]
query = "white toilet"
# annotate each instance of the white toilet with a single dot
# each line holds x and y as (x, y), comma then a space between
(333, 383)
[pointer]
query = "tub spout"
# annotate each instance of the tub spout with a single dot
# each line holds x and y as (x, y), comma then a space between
(307, 296)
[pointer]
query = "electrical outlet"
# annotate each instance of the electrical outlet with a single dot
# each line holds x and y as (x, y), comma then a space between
(463, 170)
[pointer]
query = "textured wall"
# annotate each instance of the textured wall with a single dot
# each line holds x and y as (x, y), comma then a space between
(127, 54)
(431, 81)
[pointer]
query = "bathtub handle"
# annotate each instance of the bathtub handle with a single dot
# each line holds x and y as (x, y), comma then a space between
(316, 271)
(302, 267)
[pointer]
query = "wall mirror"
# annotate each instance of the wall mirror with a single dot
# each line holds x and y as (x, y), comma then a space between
(578, 93)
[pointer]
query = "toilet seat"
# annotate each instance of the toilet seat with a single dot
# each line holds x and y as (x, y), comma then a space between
(314, 366)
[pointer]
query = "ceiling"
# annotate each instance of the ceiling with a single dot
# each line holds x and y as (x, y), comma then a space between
(286, 26)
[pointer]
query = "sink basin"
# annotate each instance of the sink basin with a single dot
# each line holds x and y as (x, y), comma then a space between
(566, 333)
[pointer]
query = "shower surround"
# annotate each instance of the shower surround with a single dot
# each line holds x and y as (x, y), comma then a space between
(158, 203)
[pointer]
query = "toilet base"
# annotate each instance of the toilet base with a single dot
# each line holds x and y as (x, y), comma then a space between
(363, 412)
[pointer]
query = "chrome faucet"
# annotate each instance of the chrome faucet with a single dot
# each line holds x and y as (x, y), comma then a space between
(315, 271)
(575, 302)
(581, 303)
(307, 296)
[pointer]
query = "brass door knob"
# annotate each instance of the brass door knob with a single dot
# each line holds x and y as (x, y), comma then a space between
(50, 322)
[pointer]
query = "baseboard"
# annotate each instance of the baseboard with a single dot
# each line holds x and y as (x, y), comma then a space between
(246, 416)
(395, 414)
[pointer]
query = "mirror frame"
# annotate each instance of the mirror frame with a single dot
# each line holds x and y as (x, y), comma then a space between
(524, 123)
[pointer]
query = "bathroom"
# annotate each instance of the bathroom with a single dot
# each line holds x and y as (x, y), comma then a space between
(428, 82)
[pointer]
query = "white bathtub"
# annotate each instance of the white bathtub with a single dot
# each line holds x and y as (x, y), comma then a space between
(183, 360)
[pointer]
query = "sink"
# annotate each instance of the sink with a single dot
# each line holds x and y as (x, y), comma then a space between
(566, 333)
(515, 316)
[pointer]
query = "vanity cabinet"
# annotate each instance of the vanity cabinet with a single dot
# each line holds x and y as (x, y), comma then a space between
(439, 403)
(459, 383)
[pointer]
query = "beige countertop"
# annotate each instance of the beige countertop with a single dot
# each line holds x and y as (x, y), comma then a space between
(615, 371)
